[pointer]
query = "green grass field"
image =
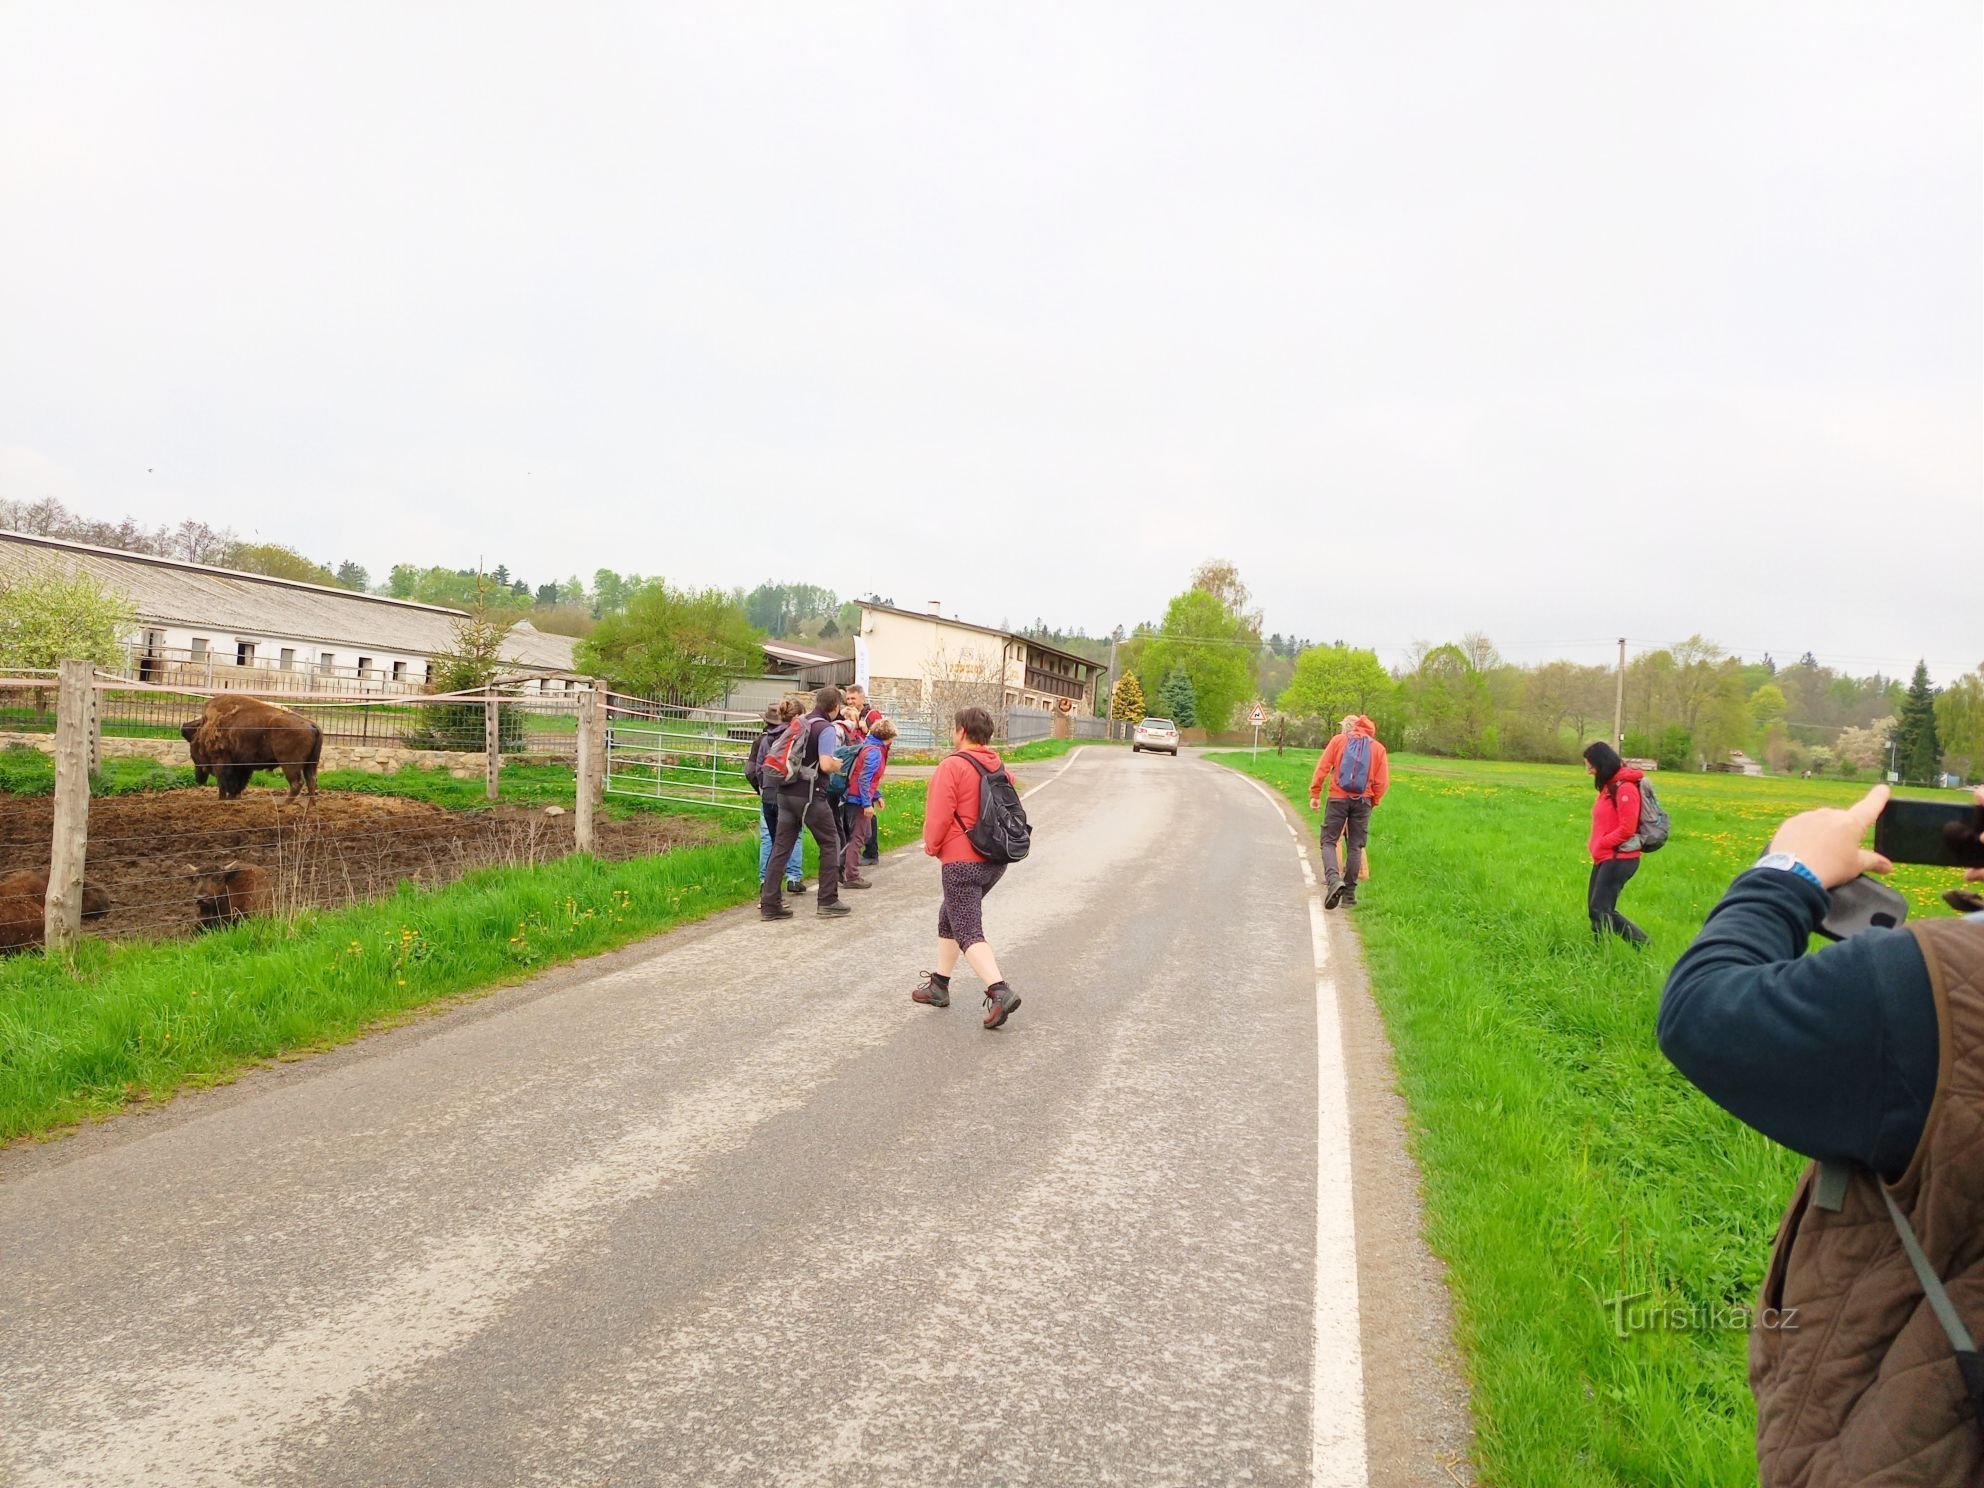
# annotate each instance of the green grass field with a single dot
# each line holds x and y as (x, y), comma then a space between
(135, 1020)
(1564, 1160)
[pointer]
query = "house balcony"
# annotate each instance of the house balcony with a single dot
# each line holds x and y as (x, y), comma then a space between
(1055, 684)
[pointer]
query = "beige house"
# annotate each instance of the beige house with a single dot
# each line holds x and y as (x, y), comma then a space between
(914, 661)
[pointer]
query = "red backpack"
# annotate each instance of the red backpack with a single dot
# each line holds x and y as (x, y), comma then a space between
(781, 762)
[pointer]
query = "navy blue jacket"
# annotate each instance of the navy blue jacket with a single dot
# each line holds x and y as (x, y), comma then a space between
(1832, 1054)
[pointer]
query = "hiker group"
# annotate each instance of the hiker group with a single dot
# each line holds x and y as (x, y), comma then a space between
(1627, 822)
(821, 771)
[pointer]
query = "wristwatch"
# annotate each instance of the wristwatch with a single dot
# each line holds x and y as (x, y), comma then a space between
(1785, 863)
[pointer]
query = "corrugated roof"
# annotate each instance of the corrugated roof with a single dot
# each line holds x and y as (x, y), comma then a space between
(166, 591)
(797, 655)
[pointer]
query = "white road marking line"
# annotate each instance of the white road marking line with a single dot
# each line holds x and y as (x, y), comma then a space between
(1337, 1456)
(1072, 756)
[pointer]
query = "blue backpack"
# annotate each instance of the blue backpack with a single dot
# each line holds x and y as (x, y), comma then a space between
(838, 782)
(1353, 767)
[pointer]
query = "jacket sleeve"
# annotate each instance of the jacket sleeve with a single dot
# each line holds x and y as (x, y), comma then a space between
(1326, 766)
(754, 767)
(1834, 1054)
(937, 808)
(1381, 772)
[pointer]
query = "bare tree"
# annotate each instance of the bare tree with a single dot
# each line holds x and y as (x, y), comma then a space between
(961, 680)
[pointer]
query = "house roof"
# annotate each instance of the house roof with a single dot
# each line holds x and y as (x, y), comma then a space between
(1006, 635)
(801, 656)
(167, 591)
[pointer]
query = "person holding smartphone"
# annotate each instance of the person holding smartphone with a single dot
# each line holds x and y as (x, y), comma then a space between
(1867, 1057)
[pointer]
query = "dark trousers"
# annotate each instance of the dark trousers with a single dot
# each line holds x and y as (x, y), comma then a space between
(1345, 816)
(1608, 880)
(860, 832)
(799, 804)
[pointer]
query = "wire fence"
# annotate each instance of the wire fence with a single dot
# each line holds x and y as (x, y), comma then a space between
(155, 857)
(531, 722)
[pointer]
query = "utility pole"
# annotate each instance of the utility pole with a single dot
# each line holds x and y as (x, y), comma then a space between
(1619, 701)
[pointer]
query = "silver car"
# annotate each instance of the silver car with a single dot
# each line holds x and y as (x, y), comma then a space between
(1159, 735)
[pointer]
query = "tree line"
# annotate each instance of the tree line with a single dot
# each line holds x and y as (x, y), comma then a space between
(1689, 705)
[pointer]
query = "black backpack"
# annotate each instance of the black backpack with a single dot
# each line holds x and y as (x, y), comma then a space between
(1002, 833)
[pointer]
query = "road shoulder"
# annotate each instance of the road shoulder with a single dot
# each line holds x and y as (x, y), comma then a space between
(1418, 1429)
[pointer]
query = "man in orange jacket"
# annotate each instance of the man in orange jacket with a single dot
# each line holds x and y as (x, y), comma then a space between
(1355, 766)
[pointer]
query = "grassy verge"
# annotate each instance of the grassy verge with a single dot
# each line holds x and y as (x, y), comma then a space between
(135, 1020)
(1564, 1161)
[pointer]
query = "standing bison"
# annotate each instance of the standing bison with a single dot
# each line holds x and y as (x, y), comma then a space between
(236, 736)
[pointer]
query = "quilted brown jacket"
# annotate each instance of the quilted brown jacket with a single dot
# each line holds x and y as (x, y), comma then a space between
(1856, 1382)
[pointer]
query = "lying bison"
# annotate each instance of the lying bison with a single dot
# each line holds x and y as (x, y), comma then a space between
(231, 893)
(32, 883)
(20, 923)
(236, 736)
(23, 913)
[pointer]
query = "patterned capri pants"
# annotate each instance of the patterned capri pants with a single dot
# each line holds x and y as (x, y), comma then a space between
(962, 916)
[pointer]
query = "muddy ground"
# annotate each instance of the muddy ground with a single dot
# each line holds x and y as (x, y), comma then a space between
(342, 849)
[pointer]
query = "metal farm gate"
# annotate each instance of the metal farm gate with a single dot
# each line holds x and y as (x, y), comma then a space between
(668, 753)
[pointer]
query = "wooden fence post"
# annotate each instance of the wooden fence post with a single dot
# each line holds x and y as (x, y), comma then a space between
(582, 817)
(62, 911)
(492, 744)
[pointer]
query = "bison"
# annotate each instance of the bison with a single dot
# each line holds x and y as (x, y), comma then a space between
(231, 893)
(236, 736)
(32, 883)
(21, 923)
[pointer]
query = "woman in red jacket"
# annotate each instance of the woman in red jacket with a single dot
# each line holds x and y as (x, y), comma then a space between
(950, 812)
(1615, 821)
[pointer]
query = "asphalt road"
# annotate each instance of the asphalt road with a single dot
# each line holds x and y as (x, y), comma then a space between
(729, 1209)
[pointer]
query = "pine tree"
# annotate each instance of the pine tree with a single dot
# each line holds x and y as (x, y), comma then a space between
(1918, 755)
(1179, 699)
(1126, 703)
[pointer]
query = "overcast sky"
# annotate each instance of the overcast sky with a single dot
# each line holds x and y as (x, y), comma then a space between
(1562, 322)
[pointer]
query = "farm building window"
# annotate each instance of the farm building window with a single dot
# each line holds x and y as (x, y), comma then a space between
(289, 658)
(399, 671)
(328, 661)
(364, 666)
(199, 648)
(244, 653)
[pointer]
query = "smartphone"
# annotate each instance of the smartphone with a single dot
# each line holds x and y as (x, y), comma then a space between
(1863, 904)
(1942, 833)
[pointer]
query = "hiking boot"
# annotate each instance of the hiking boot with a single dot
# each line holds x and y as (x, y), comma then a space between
(1000, 1005)
(1349, 899)
(781, 913)
(795, 886)
(834, 911)
(1339, 891)
(930, 994)
(856, 883)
